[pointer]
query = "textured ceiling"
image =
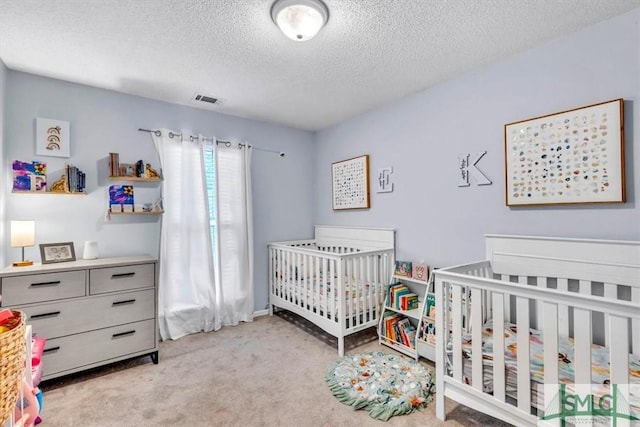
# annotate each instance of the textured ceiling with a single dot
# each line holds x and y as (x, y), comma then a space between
(371, 52)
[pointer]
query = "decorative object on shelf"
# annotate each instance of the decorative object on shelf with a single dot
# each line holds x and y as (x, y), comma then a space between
(575, 156)
(114, 164)
(151, 172)
(52, 138)
(384, 385)
(29, 177)
(121, 198)
(57, 252)
(403, 268)
(90, 250)
(384, 181)
(350, 183)
(127, 169)
(23, 234)
(472, 169)
(140, 172)
(300, 20)
(61, 185)
(420, 271)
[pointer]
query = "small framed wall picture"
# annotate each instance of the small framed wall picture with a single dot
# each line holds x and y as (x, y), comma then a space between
(52, 138)
(57, 252)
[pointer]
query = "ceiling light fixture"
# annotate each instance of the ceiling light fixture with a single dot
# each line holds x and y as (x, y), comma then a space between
(300, 20)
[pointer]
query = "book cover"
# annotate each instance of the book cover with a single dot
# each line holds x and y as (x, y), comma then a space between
(420, 271)
(121, 195)
(430, 307)
(403, 268)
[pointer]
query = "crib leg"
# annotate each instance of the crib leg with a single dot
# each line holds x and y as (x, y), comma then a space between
(440, 407)
(270, 309)
(341, 346)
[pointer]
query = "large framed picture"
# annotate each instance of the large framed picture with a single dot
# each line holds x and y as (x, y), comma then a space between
(52, 138)
(57, 252)
(350, 183)
(575, 156)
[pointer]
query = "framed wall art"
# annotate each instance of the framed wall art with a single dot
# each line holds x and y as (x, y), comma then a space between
(350, 183)
(57, 252)
(575, 156)
(52, 138)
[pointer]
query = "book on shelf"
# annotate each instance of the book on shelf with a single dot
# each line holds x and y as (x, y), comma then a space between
(430, 306)
(114, 164)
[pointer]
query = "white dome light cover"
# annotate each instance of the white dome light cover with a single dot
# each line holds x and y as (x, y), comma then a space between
(300, 20)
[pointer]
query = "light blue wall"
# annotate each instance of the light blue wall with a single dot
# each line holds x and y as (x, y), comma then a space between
(422, 136)
(3, 188)
(104, 121)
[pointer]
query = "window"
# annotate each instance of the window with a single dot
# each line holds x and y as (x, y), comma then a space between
(210, 178)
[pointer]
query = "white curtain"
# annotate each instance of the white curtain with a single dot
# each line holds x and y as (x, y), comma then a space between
(197, 291)
(186, 295)
(235, 234)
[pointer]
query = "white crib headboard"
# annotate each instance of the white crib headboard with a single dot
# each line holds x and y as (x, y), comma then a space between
(355, 237)
(607, 261)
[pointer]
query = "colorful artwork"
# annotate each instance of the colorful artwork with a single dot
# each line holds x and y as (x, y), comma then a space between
(403, 268)
(52, 138)
(350, 183)
(29, 176)
(575, 156)
(420, 271)
(121, 195)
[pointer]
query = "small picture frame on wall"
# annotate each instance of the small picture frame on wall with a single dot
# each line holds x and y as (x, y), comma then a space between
(52, 138)
(57, 252)
(575, 156)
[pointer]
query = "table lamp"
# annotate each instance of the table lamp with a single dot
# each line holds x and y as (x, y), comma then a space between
(23, 235)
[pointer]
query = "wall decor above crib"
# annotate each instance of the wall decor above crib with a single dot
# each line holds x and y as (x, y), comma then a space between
(574, 156)
(350, 183)
(52, 138)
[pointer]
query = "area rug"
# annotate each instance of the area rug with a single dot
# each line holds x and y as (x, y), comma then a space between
(382, 384)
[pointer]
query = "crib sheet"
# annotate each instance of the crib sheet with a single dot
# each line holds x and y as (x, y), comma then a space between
(566, 373)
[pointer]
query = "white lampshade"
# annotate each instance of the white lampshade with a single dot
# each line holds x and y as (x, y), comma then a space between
(300, 20)
(23, 233)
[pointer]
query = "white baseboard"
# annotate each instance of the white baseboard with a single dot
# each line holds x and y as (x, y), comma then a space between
(260, 313)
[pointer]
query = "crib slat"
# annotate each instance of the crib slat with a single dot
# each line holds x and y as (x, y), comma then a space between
(635, 324)
(541, 282)
(507, 299)
(456, 330)
(498, 347)
(322, 290)
(524, 375)
(563, 310)
(550, 334)
(582, 345)
(619, 360)
(610, 292)
(476, 339)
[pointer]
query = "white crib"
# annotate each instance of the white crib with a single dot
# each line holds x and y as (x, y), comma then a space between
(336, 280)
(576, 294)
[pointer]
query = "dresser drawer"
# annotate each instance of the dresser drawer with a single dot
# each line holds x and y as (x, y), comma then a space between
(111, 279)
(63, 318)
(73, 352)
(42, 287)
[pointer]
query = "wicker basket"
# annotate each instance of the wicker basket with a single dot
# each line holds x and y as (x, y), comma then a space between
(12, 358)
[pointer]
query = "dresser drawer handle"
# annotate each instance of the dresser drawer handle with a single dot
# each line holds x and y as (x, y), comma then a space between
(57, 282)
(122, 275)
(49, 350)
(129, 301)
(123, 334)
(39, 316)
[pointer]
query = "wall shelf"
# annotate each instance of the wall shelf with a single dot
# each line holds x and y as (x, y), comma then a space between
(137, 213)
(134, 178)
(76, 193)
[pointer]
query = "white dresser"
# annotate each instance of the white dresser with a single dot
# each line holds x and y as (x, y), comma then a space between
(91, 312)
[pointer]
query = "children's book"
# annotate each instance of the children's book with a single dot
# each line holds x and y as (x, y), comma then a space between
(121, 195)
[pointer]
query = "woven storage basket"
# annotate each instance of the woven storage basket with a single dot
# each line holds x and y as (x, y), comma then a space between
(12, 358)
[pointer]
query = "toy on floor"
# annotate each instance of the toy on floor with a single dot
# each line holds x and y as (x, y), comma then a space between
(27, 405)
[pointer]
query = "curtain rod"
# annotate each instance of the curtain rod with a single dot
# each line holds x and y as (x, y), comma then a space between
(226, 143)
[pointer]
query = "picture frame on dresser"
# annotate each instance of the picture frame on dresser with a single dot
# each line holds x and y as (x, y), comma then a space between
(51, 253)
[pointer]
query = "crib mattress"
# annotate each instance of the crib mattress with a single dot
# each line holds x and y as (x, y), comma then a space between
(566, 373)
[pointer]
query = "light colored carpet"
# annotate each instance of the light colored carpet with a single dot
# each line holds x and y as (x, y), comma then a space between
(270, 372)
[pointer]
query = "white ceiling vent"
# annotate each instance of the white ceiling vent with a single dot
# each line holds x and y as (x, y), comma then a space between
(205, 98)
